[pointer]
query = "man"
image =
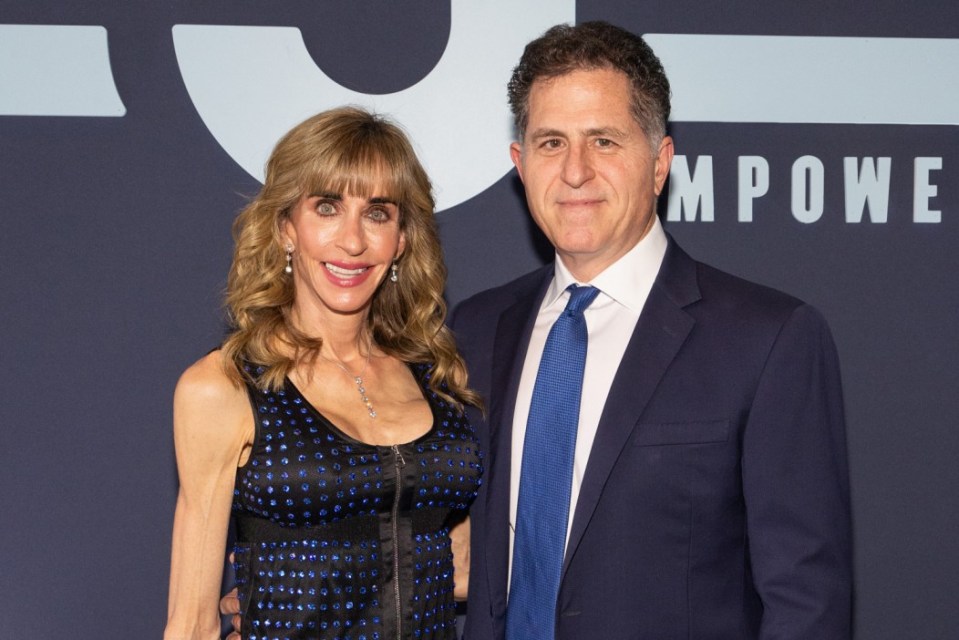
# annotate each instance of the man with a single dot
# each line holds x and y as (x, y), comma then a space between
(707, 491)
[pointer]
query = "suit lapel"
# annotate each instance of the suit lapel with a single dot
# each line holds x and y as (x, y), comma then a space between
(509, 354)
(659, 334)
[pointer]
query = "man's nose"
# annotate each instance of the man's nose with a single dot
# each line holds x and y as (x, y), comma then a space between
(577, 169)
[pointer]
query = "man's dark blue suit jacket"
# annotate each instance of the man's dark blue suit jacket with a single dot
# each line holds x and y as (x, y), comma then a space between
(715, 502)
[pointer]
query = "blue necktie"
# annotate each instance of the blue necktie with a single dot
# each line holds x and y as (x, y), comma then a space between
(547, 473)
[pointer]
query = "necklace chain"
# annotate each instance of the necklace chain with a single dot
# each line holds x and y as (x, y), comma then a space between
(358, 379)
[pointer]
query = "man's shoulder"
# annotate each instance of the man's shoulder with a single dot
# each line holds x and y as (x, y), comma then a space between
(721, 292)
(716, 281)
(750, 306)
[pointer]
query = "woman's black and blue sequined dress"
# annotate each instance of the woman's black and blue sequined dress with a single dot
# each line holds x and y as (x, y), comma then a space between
(337, 539)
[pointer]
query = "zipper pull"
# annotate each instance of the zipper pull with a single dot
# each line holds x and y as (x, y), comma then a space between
(400, 462)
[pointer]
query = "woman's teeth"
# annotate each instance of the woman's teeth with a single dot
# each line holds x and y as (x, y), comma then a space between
(344, 272)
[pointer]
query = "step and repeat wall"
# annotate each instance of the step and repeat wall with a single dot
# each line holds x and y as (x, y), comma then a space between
(818, 152)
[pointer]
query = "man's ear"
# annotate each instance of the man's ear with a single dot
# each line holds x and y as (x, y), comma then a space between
(516, 155)
(664, 159)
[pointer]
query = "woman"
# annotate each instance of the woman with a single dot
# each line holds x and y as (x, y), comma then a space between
(356, 459)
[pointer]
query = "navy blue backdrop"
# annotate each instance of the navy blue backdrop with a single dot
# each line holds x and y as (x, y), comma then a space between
(123, 163)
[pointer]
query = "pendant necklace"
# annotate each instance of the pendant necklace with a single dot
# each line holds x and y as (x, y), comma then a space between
(358, 379)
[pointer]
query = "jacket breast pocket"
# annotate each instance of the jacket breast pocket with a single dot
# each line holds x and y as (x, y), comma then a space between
(650, 434)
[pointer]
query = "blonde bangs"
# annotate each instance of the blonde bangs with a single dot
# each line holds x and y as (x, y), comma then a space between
(361, 165)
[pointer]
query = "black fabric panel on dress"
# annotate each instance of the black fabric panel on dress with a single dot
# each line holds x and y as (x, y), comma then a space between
(324, 522)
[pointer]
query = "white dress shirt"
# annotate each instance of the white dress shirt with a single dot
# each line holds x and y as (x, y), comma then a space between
(610, 320)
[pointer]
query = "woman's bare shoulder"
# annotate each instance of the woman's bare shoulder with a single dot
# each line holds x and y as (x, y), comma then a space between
(207, 380)
(206, 390)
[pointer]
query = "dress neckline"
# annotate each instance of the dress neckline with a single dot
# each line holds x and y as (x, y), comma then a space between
(337, 431)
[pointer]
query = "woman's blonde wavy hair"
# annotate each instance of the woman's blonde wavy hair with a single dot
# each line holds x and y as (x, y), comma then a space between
(350, 151)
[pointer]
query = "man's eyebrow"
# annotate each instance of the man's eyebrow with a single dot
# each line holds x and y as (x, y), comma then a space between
(589, 133)
(546, 133)
(605, 131)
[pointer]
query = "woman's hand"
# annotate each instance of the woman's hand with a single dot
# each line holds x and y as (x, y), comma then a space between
(230, 604)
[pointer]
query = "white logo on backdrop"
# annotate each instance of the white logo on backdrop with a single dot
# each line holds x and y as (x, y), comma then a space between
(251, 84)
(458, 118)
(823, 80)
(56, 70)
(800, 79)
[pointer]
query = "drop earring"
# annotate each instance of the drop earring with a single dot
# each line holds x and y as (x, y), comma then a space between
(289, 259)
(393, 272)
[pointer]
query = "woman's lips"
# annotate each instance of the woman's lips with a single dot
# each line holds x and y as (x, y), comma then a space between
(347, 275)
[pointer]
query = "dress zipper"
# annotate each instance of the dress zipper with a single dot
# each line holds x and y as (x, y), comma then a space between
(398, 464)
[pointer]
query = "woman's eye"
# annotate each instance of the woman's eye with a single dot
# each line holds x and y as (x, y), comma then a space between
(325, 208)
(379, 215)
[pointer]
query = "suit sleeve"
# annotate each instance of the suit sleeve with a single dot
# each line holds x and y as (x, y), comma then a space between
(796, 487)
(466, 328)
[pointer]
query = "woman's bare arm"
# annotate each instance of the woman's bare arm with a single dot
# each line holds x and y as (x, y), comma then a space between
(212, 429)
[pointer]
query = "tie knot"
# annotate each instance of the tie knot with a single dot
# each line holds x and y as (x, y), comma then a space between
(580, 298)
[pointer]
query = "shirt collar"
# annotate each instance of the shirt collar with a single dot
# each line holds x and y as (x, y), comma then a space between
(628, 281)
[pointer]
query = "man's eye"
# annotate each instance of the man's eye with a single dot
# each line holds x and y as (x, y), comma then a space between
(550, 144)
(325, 208)
(604, 142)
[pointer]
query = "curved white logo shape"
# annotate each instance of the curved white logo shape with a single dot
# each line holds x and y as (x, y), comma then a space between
(56, 70)
(251, 84)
